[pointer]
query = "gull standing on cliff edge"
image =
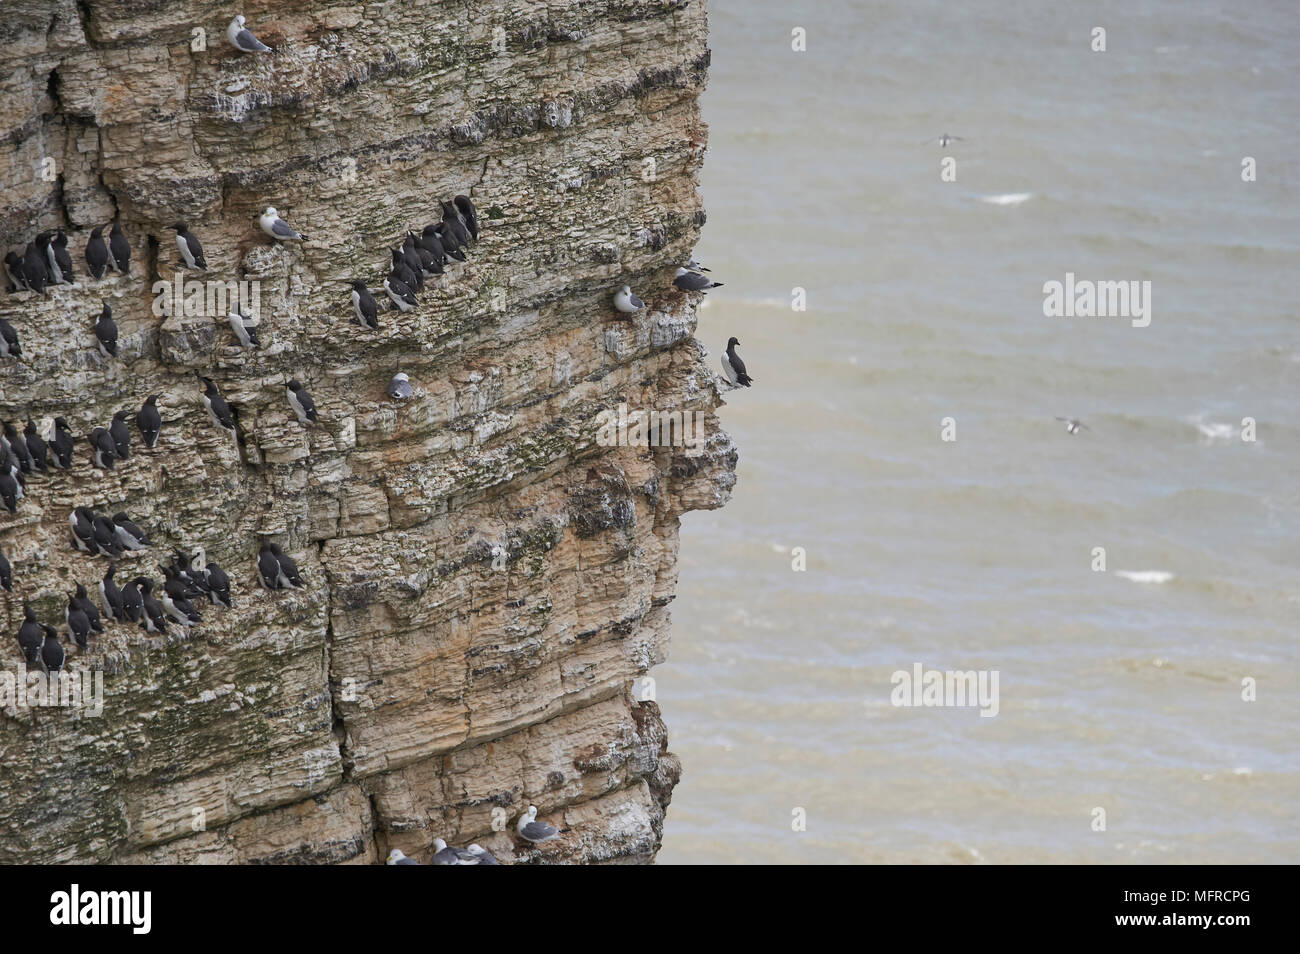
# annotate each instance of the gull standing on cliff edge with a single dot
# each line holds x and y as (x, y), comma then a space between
(242, 39)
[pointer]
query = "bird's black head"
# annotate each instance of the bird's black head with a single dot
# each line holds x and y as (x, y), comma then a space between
(151, 400)
(294, 385)
(97, 232)
(358, 284)
(179, 227)
(29, 613)
(732, 342)
(121, 415)
(61, 423)
(107, 312)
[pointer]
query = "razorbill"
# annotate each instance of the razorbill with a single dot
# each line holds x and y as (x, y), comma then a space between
(60, 257)
(468, 214)
(81, 521)
(128, 534)
(132, 602)
(30, 636)
(52, 653)
(78, 624)
(111, 595)
(63, 444)
(154, 619)
(400, 293)
(120, 431)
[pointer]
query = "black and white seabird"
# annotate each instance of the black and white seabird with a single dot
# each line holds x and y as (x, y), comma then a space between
(36, 448)
(84, 603)
(132, 602)
(242, 39)
(1073, 426)
(468, 215)
(78, 624)
(30, 637)
(19, 448)
(154, 619)
(9, 346)
(52, 653)
(285, 568)
(106, 332)
(103, 450)
(35, 269)
(106, 542)
(277, 227)
(218, 584)
(268, 568)
(62, 260)
(176, 596)
(149, 421)
(431, 241)
(400, 293)
(14, 269)
(451, 243)
(411, 277)
(429, 263)
(417, 259)
(218, 409)
(364, 306)
(733, 368)
(399, 389)
(63, 444)
(626, 302)
(97, 253)
(484, 856)
(111, 595)
(53, 274)
(301, 403)
(6, 573)
(453, 222)
(120, 431)
(11, 490)
(188, 245)
(245, 329)
(81, 521)
(689, 281)
(398, 857)
(128, 534)
(530, 829)
(119, 250)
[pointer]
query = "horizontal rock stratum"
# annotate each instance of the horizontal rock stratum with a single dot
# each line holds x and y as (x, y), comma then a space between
(486, 584)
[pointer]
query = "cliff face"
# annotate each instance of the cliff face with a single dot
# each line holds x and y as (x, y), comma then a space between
(486, 582)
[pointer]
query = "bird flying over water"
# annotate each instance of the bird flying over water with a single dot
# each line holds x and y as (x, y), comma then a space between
(1072, 425)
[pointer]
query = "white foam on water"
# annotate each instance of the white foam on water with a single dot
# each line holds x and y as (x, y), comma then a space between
(1146, 576)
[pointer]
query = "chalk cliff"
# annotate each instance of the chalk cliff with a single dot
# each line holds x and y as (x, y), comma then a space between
(486, 583)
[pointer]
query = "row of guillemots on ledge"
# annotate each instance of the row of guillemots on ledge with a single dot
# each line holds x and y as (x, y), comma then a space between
(45, 262)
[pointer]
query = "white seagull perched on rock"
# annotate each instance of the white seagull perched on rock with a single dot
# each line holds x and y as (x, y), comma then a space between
(689, 281)
(484, 856)
(398, 857)
(626, 302)
(399, 389)
(445, 855)
(242, 39)
(530, 829)
(277, 227)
